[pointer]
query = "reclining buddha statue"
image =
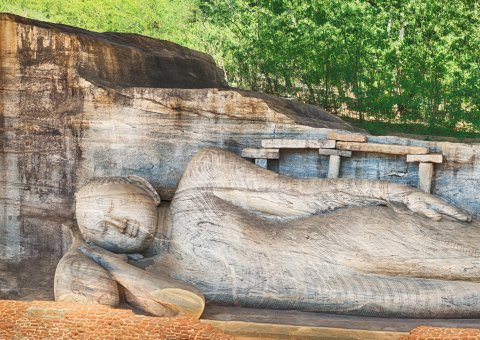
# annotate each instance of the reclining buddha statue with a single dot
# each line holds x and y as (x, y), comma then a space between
(237, 234)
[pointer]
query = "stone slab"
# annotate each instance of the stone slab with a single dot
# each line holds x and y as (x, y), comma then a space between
(334, 152)
(46, 312)
(261, 153)
(347, 137)
(251, 330)
(321, 144)
(382, 148)
(310, 319)
(298, 143)
(430, 158)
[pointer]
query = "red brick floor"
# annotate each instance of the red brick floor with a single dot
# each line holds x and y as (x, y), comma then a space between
(58, 320)
(439, 333)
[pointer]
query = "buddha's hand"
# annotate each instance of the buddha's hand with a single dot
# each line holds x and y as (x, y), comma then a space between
(429, 205)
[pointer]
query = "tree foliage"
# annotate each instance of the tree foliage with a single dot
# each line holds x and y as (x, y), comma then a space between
(399, 60)
(406, 60)
(173, 20)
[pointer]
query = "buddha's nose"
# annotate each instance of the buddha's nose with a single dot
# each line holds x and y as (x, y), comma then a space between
(124, 225)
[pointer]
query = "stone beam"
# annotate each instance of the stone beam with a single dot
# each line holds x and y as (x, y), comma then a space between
(261, 153)
(347, 137)
(430, 158)
(335, 152)
(298, 143)
(382, 148)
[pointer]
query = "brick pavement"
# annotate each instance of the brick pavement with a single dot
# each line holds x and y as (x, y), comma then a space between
(440, 333)
(58, 320)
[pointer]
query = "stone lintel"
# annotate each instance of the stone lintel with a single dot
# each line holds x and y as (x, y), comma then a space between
(261, 153)
(382, 148)
(321, 144)
(430, 158)
(298, 143)
(347, 137)
(334, 152)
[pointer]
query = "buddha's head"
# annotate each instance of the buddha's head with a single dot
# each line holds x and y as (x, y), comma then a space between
(118, 213)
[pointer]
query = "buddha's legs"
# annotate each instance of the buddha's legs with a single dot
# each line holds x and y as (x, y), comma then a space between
(364, 261)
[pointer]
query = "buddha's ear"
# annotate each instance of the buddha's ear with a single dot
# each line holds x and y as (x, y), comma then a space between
(142, 183)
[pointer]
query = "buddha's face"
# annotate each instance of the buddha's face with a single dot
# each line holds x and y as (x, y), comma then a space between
(119, 217)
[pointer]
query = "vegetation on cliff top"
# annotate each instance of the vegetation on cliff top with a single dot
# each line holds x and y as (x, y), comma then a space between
(397, 61)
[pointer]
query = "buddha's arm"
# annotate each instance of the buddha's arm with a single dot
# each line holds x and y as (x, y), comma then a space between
(321, 195)
(152, 293)
(240, 182)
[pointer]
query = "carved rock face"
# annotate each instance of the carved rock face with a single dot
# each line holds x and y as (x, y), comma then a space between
(118, 214)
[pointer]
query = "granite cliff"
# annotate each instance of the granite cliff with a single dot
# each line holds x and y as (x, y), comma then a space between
(76, 104)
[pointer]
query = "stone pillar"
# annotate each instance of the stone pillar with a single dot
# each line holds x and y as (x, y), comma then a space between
(425, 169)
(425, 175)
(334, 166)
(261, 162)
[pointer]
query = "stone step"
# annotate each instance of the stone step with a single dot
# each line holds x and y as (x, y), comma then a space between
(382, 148)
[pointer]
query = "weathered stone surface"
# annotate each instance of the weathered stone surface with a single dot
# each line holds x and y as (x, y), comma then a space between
(111, 59)
(347, 137)
(431, 158)
(381, 148)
